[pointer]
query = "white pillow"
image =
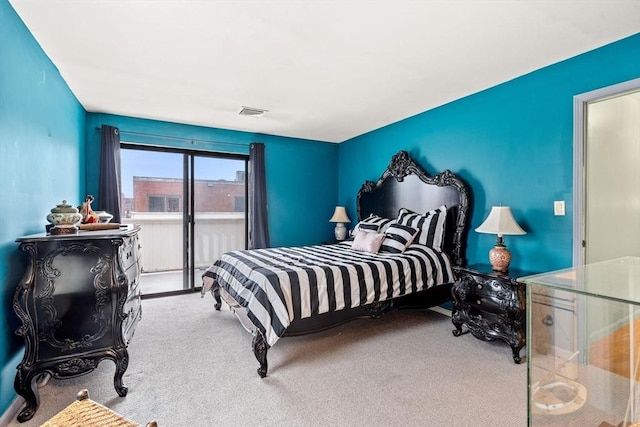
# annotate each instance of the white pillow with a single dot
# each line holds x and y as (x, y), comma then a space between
(367, 242)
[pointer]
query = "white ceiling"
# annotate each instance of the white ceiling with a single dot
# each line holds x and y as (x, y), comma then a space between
(325, 70)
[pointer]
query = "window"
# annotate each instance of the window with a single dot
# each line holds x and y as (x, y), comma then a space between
(239, 203)
(160, 203)
(156, 204)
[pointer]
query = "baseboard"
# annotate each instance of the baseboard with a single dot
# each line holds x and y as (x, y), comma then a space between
(441, 310)
(11, 412)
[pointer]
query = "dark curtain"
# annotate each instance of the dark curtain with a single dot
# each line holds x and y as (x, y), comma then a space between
(258, 224)
(110, 183)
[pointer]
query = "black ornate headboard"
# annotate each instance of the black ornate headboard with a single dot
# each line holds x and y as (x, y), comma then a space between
(405, 185)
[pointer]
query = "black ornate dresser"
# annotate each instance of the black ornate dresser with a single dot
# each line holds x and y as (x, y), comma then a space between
(79, 303)
(491, 304)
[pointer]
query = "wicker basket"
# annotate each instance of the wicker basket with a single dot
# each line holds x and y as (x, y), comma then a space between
(87, 413)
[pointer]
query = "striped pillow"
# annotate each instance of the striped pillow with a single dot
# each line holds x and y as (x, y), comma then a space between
(431, 226)
(373, 223)
(398, 238)
(367, 226)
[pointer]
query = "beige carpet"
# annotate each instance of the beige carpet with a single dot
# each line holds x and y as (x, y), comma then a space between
(192, 366)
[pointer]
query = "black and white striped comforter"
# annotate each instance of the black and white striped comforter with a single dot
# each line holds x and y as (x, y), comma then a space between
(279, 285)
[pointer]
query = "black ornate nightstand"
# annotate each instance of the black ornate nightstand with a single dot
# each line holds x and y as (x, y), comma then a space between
(491, 304)
(328, 242)
(331, 242)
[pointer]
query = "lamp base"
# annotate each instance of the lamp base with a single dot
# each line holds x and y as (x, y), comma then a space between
(500, 258)
(340, 232)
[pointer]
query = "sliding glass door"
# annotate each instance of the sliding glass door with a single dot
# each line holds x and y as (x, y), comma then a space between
(219, 191)
(191, 208)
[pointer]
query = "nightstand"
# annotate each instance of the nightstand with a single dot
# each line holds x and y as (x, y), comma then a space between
(331, 242)
(328, 242)
(491, 304)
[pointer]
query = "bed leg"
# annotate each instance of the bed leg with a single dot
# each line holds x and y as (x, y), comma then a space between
(216, 295)
(260, 351)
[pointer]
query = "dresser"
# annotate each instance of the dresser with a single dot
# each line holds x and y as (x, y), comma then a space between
(79, 303)
(492, 305)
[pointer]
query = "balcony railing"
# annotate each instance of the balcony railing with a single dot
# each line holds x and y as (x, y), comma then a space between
(162, 240)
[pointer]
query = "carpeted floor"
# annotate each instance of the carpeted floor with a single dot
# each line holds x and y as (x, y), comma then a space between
(192, 366)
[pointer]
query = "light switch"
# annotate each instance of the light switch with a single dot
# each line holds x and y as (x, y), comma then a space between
(558, 207)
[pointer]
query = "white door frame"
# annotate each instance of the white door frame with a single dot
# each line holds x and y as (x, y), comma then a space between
(579, 134)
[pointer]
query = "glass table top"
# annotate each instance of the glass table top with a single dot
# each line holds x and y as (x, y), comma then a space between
(616, 279)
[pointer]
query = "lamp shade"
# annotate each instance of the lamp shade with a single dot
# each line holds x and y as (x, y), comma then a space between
(340, 215)
(501, 222)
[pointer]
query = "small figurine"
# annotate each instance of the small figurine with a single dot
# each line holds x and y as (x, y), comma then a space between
(88, 215)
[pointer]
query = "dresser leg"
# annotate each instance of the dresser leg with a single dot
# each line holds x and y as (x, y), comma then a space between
(457, 331)
(25, 385)
(516, 354)
(122, 362)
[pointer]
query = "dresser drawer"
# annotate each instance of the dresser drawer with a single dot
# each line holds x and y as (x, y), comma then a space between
(134, 289)
(487, 302)
(129, 252)
(129, 326)
(133, 298)
(491, 320)
(133, 274)
(133, 313)
(490, 287)
(493, 295)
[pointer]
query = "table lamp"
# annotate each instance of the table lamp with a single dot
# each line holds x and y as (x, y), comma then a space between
(340, 218)
(500, 222)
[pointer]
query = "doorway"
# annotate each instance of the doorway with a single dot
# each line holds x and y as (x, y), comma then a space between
(606, 200)
(606, 221)
(191, 208)
(612, 178)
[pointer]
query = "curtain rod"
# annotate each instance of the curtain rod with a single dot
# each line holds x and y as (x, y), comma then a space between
(179, 138)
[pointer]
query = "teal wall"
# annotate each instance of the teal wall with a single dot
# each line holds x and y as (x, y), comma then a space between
(301, 174)
(41, 163)
(512, 143)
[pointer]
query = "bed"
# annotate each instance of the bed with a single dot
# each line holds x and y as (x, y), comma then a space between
(411, 231)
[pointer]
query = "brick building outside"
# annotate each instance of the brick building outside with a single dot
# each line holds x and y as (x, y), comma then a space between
(167, 195)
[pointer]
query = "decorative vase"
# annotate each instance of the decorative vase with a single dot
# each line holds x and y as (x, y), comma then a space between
(65, 219)
(104, 216)
(500, 258)
(340, 231)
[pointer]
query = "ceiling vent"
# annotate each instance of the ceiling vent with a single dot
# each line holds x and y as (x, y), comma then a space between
(252, 112)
